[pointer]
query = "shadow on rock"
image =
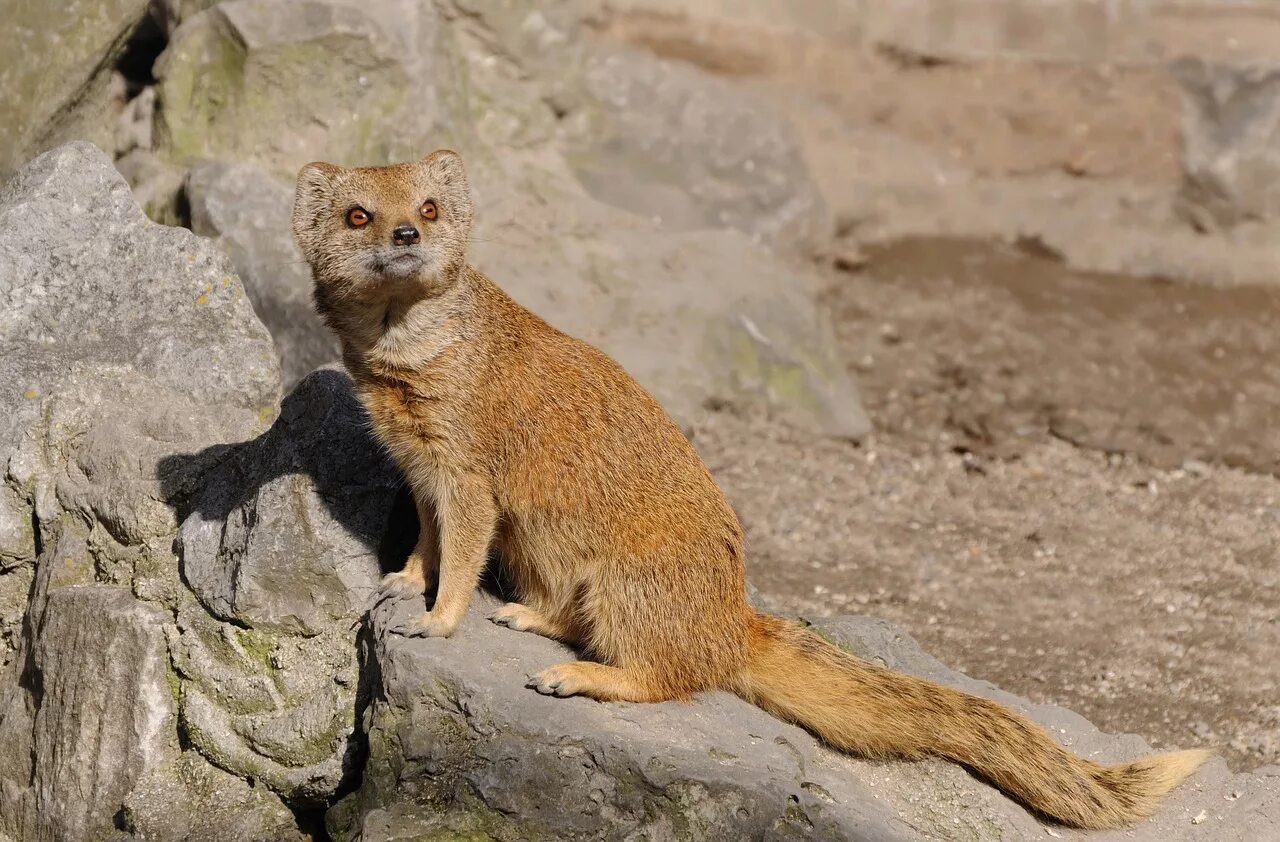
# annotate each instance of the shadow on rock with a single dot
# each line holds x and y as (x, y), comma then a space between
(292, 530)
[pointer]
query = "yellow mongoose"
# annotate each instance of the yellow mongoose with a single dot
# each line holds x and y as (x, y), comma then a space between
(515, 436)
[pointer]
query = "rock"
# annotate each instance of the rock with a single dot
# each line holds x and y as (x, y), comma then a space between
(171, 13)
(60, 87)
(662, 139)
(283, 82)
(284, 547)
(156, 185)
(458, 745)
(248, 210)
(102, 719)
(214, 806)
(120, 344)
(269, 707)
(1230, 142)
(264, 546)
(112, 342)
(674, 144)
(15, 587)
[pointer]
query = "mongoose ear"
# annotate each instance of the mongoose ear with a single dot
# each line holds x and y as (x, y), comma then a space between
(446, 166)
(311, 200)
(316, 178)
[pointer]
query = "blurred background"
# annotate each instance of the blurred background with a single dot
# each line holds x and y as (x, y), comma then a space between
(970, 305)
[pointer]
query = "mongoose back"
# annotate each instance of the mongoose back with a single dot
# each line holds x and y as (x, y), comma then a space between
(515, 436)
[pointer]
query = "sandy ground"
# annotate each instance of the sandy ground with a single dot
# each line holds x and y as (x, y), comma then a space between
(1137, 586)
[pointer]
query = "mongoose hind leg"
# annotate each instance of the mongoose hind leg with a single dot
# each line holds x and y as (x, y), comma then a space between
(522, 618)
(598, 681)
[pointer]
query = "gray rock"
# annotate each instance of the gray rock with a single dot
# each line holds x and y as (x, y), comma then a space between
(248, 211)
(122, 342)
(283, 82)
(457, 744)
(284, 548)
(102, 716)
(190, 800)
(1230, 142)
(114, 343)
(674, 144)
(171, 13)
(285, 535)
(268, 707)
(56, 74)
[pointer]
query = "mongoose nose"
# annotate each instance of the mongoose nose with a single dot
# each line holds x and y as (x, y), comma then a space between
(405, 235)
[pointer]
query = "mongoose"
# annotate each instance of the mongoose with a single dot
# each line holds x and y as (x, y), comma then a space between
(515, 436)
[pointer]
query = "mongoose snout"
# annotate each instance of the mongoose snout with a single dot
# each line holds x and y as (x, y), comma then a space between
(405, 235)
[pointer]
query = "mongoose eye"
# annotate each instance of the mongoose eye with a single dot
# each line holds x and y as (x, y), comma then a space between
(428, 209)
(357, 217)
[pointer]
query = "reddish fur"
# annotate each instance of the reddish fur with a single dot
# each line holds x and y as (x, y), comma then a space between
(618, 541)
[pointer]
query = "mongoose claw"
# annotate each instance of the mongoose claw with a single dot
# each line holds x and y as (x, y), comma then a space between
(426, 625)
(514, 616)
(394, 586)
(555, 681)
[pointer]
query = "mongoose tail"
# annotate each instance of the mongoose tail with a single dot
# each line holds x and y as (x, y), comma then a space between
(868, 710)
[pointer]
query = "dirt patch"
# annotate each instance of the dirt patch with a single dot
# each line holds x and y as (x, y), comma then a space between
(993, 346)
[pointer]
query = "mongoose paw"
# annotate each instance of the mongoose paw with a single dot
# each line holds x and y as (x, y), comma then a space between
(426, 625)
(396, 586)
(399, 585)
(514, 616)
(561, 680)
(393, 588)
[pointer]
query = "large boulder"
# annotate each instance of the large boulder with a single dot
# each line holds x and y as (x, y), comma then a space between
(121, 341)
(248, 211)
(282, 549)
(55, 79)
(1230, 142)
(676, 145)
(283, 82)
(113, 343)
(103, 720)
(458, 745)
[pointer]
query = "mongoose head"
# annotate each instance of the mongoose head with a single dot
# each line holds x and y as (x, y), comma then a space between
(376, 232)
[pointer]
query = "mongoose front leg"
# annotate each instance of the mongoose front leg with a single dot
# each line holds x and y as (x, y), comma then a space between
(419, 568)
(522, 618)
(598, 681)
(467, 517)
